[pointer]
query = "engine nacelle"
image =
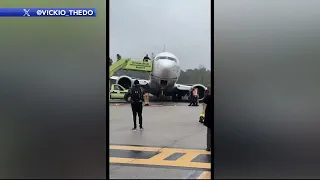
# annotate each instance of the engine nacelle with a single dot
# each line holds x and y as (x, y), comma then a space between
(201, 90)
(125, 81)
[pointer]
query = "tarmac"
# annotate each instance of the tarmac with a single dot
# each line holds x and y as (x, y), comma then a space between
(171, 146)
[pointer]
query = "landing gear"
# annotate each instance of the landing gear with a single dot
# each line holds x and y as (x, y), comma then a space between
(162, 96)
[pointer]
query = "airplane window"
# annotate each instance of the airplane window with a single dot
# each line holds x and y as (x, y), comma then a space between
(172, 59)
(161, 57)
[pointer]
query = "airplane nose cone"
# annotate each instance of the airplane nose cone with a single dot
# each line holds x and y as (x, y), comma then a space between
(167, 65)
(166, 68)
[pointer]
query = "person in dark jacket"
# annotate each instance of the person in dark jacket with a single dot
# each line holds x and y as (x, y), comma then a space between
(136, 94)
(207, 106)
(118, 57)
(146, 58)
(110, 61)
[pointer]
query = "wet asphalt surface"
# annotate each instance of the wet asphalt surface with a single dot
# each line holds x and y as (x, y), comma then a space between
(169, 124)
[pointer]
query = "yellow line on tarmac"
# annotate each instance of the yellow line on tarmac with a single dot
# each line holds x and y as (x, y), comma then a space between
(161, 156)
(159, 162)
(173, 150)
(205, 175)
(187, 157)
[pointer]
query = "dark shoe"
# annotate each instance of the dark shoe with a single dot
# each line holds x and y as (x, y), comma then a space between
(134, 129)
(146, 105)
(189, 105)
(208, 149)
(141, 128)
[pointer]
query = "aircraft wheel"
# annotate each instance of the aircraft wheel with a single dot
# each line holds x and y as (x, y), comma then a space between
(162, 96)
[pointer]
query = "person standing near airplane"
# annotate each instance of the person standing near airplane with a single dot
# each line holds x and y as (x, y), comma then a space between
(146, 58)
(146, 95)
(196, 97)
(118, 57)
(110, 61)
(136, 104)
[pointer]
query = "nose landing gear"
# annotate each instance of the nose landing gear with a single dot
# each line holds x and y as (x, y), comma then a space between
(162, 96)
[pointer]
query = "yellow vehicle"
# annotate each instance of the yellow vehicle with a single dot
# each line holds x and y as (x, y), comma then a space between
(117, 92)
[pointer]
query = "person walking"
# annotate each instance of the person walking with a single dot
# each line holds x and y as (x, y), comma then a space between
(207, 106)
(136, 104)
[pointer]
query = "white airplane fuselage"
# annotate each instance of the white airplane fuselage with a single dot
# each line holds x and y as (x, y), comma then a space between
(163, 78)
(165, 73)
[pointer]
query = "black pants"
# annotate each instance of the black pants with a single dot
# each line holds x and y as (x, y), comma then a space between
(136, 109)
(193, 100)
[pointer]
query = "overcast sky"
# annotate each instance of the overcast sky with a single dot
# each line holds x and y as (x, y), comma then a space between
(144, 26)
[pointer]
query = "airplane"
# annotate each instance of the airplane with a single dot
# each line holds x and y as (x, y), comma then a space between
(163, 79)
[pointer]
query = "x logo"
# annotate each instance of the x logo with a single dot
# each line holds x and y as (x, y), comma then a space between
(26, 12)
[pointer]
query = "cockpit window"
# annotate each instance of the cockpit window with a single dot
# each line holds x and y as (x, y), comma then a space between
(161, 57)
(172, 59)
(165, 57)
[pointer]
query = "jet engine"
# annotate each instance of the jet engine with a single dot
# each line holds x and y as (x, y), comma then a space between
(125, 81)
(201, 90)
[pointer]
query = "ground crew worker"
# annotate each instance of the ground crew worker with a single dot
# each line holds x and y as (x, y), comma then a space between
(146, 95)
(207, 106)
(110, 61)
(136, 104)
(194, 97)
(118, 57)
(146, 58)
(191, 97)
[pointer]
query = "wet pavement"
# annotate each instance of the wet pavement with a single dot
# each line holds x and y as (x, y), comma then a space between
(171, 146)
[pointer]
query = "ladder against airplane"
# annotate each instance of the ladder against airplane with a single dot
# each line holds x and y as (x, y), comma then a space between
(136, 65)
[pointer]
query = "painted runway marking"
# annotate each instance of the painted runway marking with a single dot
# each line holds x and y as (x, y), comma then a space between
(190, 158)
(205, 175)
